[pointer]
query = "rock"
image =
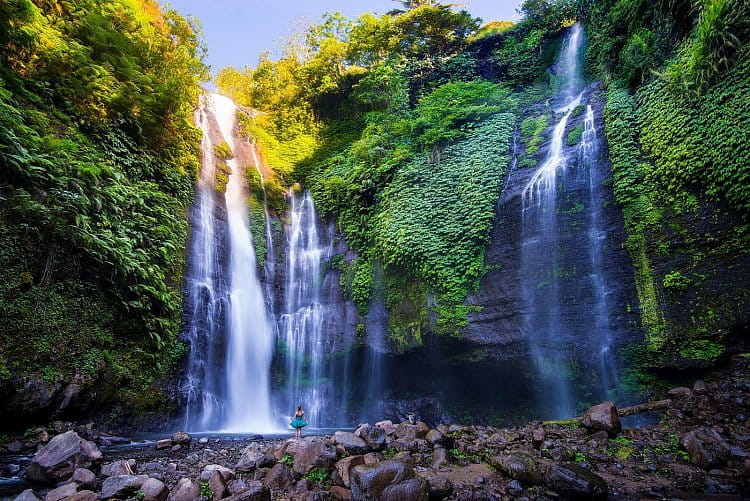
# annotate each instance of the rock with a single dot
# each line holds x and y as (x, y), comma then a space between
(218, 485)
(278, 477)
(406, 431)
(700, 386)
(154, 490)
(309, 453)
(518, 466)
(414, 489)
(236, 486)
(163, 444)
(253, 458)
(372, 458)
(434, 437)
(84, 495)
(439, 486)
(439, 457)
(373, 436)
(369, 481)
(255, 491)
(10, 470)
(122, 486)
(350, 442)
(572, 481)
(422, 429)
(706, 447)
(209, 470)
(537, 437)
(57, 460)
(680, 392)
(85, 479)
(387, 426)
(15, 447)
(185, 490)
(181, 438)
(344, 467)
(602, 417)
(61, 492)
(27, 495)
(340, 494)
(117, 468)
(514, 488)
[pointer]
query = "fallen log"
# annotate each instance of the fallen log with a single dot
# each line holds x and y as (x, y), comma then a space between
(659, 405)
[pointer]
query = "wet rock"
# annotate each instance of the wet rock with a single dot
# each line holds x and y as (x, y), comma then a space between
(85, 479)
(414, 489)
(309, 453)
(10, 470)
(122, 486)
(203, 441)
(602, 417)
(154, 490)
(185, 490)
(369, 481)
(85, 495)
(61, 492)
(117, 468)
(373, 436)
(278, 477)
(15, 447)
(706, 447)
(518, 466)
(574, 482)
(57, 460)
(350, 442)
(255, 491)
(181, 438)
(344, 467)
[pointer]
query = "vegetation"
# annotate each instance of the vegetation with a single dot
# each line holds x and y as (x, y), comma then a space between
(98, 161)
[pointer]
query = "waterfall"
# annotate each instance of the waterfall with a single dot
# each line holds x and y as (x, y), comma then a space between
(558, 285)
(203, 294)
(301, 323)
(269, 266)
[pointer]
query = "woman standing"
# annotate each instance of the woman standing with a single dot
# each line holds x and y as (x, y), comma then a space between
(299, 421)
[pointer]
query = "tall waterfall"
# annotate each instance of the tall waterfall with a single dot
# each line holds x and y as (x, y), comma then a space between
(556, 277)
(204, 295)
(301, 323)
(230, 357)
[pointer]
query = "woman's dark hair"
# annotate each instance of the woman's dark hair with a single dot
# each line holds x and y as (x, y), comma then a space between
(299, 408)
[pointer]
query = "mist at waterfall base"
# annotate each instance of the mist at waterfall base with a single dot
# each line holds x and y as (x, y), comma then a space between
(265, 339)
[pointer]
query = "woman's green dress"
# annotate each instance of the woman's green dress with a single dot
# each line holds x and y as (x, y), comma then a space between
(298, 422)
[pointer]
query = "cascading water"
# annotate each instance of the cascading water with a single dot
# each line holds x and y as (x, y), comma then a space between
(561, 335)
(301, 323)
(204, 295)
(269, 267)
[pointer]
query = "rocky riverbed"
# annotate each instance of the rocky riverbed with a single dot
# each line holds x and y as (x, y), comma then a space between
(698, 450)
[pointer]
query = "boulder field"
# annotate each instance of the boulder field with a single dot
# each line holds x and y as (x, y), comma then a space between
(697, 449)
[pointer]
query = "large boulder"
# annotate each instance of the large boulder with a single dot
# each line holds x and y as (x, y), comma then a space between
(440, 487)
(185, 490)
(57, 460)
(255, 491)
(706, 447)
(122, 486)
(344, 468)
(84, 478)
(154, 490)
(309, 453)
(350, 442)
(369, 481)
(84, 495)
(27, 495)
(279, 477)
(602, 417)
(573, 482)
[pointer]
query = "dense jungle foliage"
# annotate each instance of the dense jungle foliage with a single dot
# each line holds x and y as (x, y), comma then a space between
(98, 156)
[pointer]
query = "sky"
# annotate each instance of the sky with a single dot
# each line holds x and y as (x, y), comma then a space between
(238, 31)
